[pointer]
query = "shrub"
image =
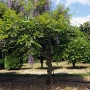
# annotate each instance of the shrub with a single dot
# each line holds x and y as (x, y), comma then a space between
(12, 62)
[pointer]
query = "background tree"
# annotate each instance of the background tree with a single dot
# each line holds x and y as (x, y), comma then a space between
(2, 41)
(86, 29)
(13, 29)
(78, 49)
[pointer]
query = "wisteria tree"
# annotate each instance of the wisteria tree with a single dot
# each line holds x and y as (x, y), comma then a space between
(53, 27)
(41, 34)
(26, 32)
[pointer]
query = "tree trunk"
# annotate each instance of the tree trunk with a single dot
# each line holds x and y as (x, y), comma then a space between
(49, 72)
(73, 63)
(41, 61)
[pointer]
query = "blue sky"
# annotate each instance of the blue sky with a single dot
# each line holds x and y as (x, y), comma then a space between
(80, 10)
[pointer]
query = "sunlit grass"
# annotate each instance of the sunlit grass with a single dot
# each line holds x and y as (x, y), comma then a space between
(63, 64)
(60, 66)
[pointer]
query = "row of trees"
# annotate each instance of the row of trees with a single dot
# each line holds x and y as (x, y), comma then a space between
(28, 27)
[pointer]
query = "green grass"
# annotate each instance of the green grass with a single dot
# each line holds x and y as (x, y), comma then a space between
(37, 65)
(62, 64)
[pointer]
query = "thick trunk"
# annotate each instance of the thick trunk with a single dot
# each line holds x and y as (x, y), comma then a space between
(49, 72)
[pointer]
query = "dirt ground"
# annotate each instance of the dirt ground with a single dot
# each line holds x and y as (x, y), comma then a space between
(38, 82)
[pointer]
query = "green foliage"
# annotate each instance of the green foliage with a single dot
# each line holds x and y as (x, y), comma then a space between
(7, 24)
(51, 30)
(1, 63)
(2, 9)
(16, 32)
(2, 26)
(12, 62)
(49, 34)
(78, 49)
(85, 28)
(42, 6)
(34, 36)
(28, 9)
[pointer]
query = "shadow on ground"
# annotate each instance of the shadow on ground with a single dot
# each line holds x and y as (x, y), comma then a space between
(54, 67)
(13, 81)
(77, 67)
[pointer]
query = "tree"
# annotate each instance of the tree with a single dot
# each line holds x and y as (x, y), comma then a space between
(15, 31)
(86, 29)
(45, 34)
(78, 49)
(51, 29)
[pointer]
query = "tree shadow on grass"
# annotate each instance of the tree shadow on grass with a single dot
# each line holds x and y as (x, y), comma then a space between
(72, 81)
(54, 67)
(77, 67)
(65, 81)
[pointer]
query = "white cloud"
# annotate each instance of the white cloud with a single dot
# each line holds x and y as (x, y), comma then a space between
(84, 2)
(88, 16)
(75, 20)
(79, 20)
(69, 2)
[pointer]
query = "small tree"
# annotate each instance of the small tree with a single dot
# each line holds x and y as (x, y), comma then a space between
(77, 48)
